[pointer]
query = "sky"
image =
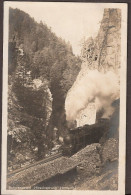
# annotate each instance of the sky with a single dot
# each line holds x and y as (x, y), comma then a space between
(70, 21)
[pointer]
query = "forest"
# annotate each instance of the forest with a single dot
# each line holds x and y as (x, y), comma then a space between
(41, 68)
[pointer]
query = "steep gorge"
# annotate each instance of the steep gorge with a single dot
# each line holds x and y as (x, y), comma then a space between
(42, 68)
(97, 84)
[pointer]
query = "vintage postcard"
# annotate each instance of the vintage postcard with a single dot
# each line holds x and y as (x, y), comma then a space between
(64, 98)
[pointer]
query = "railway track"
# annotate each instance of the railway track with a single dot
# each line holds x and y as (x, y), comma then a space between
(46, 160)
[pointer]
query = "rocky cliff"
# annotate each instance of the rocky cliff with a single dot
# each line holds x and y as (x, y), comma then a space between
(42, 68)
(103, 52)
(101, 64)
(99, 75)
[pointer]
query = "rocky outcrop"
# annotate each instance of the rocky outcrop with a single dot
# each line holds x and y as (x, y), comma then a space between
(43, 171)
(101, 173)
(103, 52)
(27, 120)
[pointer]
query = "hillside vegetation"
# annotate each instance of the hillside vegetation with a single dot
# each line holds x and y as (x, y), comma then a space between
(42, 68)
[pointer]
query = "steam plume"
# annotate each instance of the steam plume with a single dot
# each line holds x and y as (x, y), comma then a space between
(101, 88)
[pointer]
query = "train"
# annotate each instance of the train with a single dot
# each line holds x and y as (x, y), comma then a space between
(80, 137)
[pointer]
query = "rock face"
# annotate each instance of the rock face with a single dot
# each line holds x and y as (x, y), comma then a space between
(42, 68)
(93, 168)
(24, 124)
(109, 151)
(101, 53)
(102, 172)
(44, 171)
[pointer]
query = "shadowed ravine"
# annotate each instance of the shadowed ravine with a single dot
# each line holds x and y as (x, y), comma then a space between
(53, 92)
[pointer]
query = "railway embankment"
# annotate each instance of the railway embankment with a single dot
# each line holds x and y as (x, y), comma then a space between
(84, 170)
(97, 168)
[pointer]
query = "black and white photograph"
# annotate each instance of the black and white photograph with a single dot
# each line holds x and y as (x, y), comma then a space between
(64, 98)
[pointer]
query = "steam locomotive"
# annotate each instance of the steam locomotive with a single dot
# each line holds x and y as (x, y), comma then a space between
(80, 137)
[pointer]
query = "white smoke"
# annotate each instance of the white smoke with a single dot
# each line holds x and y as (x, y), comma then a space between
(97, 87)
